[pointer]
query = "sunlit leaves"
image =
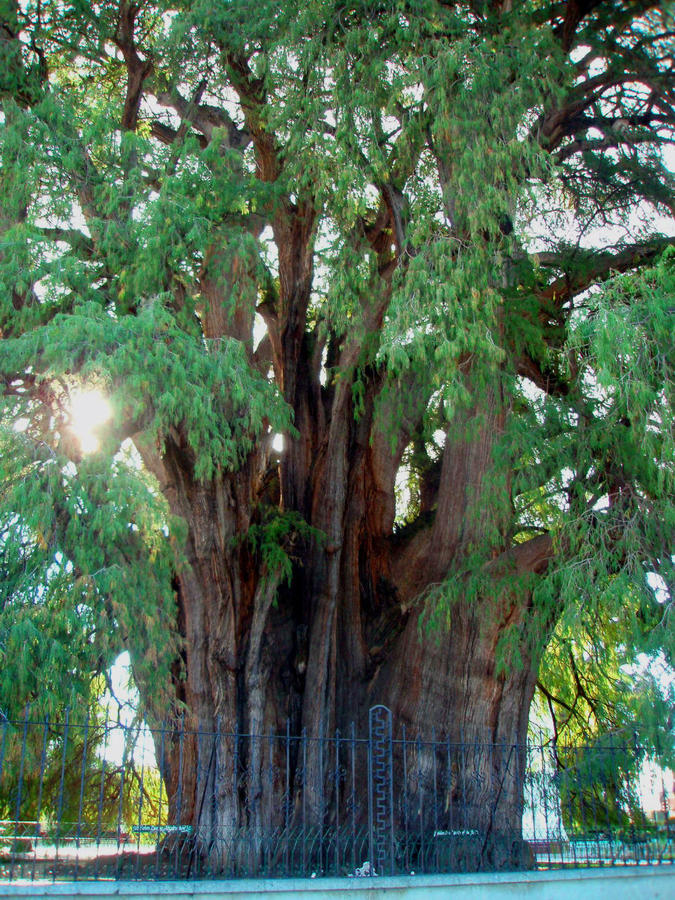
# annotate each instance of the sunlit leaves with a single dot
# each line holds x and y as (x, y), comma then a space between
(397, 161)
(164, 376)
(86, 561)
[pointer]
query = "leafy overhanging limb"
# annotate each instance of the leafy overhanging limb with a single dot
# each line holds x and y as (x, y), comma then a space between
(315, 224)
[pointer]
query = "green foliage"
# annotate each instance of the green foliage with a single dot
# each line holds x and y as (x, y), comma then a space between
(618, 532)
(599, 784)
(86, 571)
(162, 376)
(407, 195)
(596, 467)
(78, 778)
(275, 538)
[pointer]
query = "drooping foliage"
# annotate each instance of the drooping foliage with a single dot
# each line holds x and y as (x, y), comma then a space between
(425, 242)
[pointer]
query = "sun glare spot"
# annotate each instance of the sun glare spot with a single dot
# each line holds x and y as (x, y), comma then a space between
(88, 411)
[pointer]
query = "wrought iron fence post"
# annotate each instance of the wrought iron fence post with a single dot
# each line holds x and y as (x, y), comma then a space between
(59, 817)
(287, 799)
(83, 775)
(19, 792)
(380, 791)
(573, 794)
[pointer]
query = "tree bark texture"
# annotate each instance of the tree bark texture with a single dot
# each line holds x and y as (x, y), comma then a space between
(349, 632)
(350, 629)
(353, 627)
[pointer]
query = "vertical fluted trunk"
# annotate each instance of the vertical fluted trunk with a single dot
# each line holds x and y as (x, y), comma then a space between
(349, 632)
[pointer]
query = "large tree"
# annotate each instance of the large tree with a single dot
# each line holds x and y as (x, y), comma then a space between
(380, 294)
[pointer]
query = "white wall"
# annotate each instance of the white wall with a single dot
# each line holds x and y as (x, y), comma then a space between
(627, 883)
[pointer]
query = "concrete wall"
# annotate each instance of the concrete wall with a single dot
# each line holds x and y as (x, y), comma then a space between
(629, 883)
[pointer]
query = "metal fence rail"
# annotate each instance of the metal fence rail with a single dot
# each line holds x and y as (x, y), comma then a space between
(99, 799)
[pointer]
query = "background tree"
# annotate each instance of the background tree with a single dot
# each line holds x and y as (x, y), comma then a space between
(80, 777)
(393, 233)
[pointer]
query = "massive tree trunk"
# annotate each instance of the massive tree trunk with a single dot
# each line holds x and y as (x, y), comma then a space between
(353, 609)
(348, 633)
(351, 629)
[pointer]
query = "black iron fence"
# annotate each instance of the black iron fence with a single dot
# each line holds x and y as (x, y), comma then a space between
(99, 799)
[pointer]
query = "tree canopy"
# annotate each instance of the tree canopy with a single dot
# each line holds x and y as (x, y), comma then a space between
(429, 244)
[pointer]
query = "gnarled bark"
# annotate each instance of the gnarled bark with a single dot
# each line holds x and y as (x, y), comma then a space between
(349, 632)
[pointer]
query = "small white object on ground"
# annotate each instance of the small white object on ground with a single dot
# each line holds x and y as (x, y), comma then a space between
(365, 871)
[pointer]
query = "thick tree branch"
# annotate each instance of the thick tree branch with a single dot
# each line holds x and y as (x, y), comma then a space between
(24, 83)
(137, 69)
(568, 17)
(549, 382)
(533, 555)
(251, 91)
(591, 268)
(391, 222)
(600, 145)
(184, 126)
(203, 117)
(167, 135)
(575, 12)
